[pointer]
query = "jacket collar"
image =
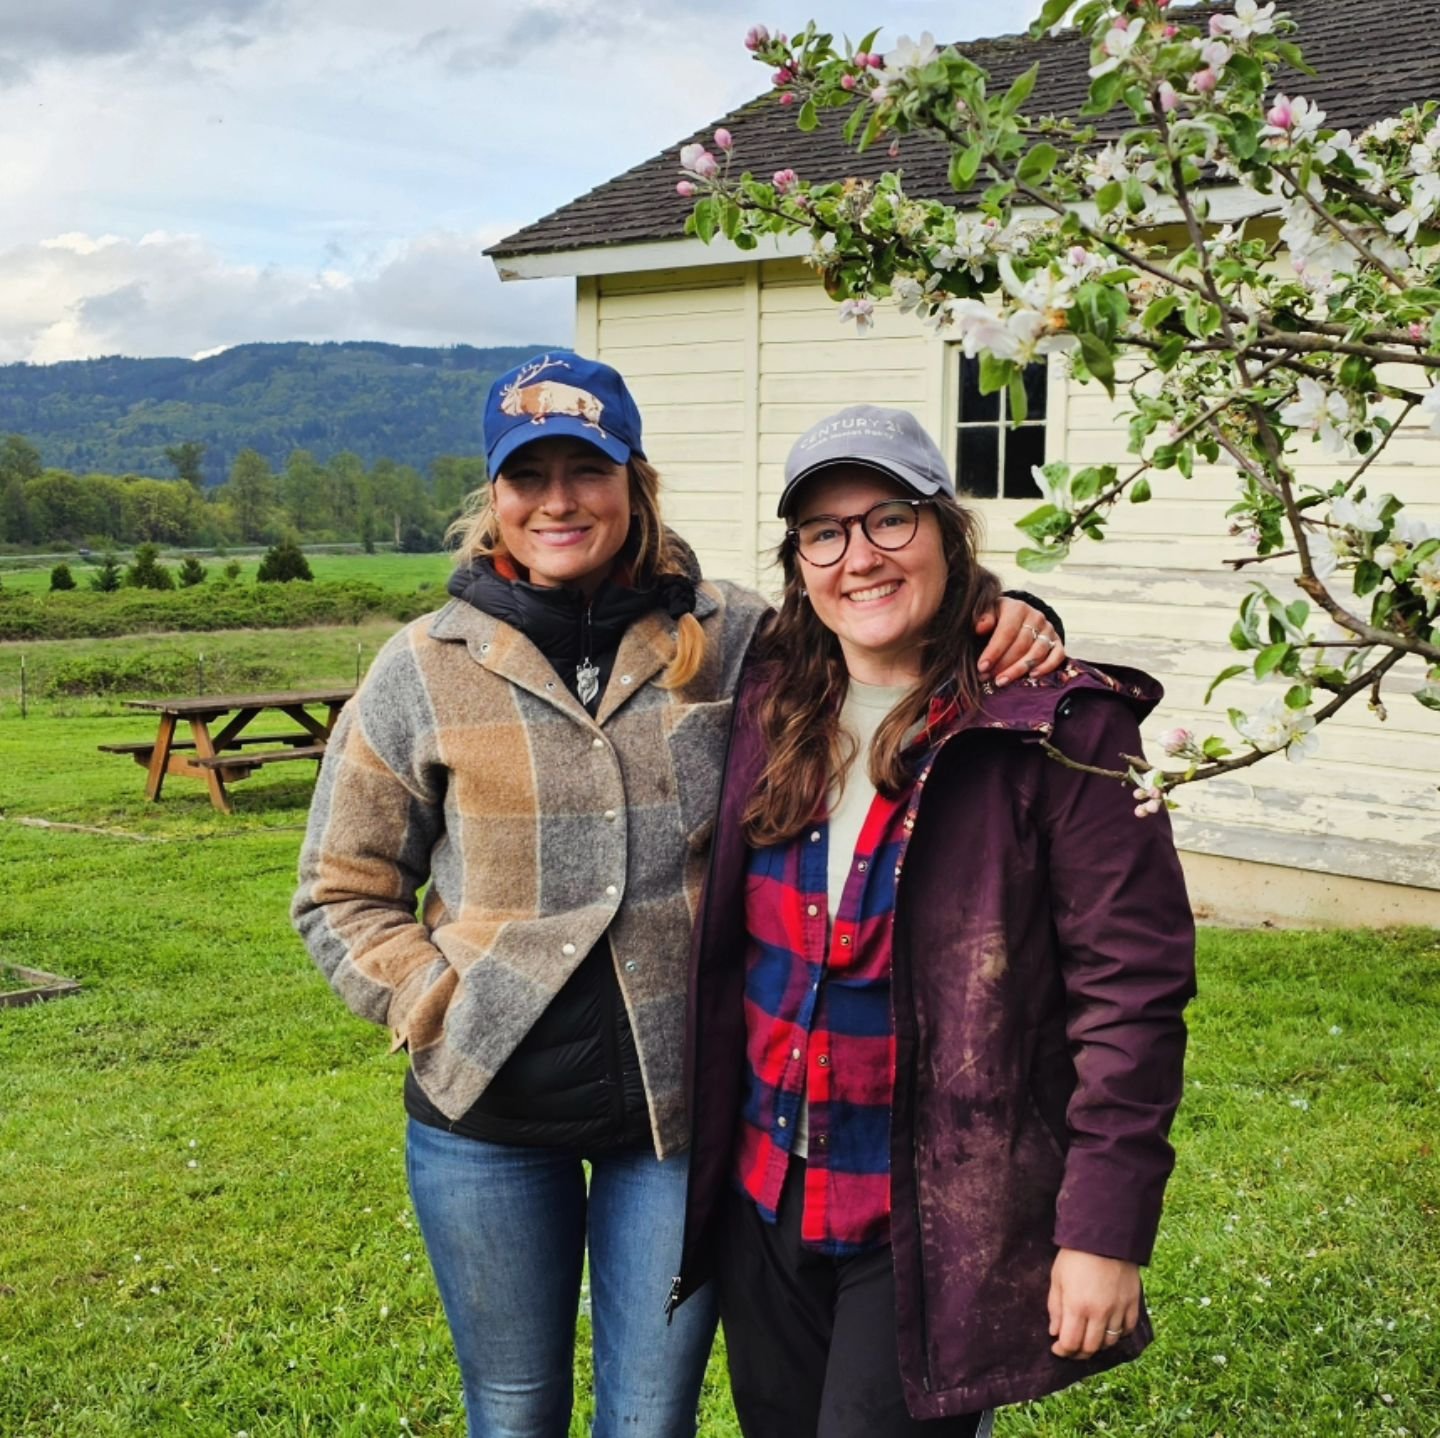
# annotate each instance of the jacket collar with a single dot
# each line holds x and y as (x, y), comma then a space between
(645, 648)
(1032, 704)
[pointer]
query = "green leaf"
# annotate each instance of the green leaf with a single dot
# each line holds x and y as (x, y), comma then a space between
(1037, 561)
(1270, 658)
(1168, 355)
(1038, 521)
(1019, 92)
(1099, 361)
(994, 373)
(1158, 310)
(965, 164)
(729, 217)
(704, 217)
(1019, 402)
(1134, 196)
(809, 117)
(1215, 747)
(1290, 54)
(1051, 13)
(1109, 196)
(1038, 163)
(1140, 491)
(1297, 696)
(1105, 91)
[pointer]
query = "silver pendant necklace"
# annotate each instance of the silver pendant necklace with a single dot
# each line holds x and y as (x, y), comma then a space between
(587, 675)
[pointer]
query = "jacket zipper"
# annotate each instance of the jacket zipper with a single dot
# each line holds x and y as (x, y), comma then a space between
(673, 1301)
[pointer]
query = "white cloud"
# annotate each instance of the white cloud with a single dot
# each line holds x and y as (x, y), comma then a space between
(76, 295)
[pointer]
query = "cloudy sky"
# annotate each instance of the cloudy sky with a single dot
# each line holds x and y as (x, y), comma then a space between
(177, 176)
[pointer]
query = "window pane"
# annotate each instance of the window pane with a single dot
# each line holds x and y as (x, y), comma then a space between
(977, 462)
(1035, 386)
(974, 406)
(1024, 447)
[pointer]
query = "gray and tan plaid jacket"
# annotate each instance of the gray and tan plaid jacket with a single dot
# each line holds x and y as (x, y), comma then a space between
(464, 762)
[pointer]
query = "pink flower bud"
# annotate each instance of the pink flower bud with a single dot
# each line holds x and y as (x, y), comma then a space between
(756, 36)
(1218, 25)
(874, 61)
(788, 98)
(783, 76)
(706, 165)
(894, 149)
(1280, 114)
(724, 140)
(1169, 32)
(1203, 81)
(1175, 741)
(862, 58)
(1168, 97)
(685, 189)
(847, 82)
(1417, 330)
(784, 180)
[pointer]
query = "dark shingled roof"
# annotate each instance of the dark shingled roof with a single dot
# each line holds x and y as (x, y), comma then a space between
(1373, 59)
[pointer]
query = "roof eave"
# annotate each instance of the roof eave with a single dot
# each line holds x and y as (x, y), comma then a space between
(1228, 203)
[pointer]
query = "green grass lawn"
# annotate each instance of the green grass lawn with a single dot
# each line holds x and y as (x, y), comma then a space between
(390, 571)
(207, 1231)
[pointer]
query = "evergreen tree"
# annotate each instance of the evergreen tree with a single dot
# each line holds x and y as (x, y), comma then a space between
(192, 572)
(146, 571)
(282, 563)
(106, 579)
(188, 457)
(61, 578)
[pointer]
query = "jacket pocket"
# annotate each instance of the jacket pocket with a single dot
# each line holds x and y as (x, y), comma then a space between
(696, 735)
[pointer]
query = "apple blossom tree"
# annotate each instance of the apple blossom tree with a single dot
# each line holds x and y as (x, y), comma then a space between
(1314, 321)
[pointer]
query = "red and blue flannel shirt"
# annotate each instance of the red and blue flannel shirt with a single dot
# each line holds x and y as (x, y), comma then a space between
(818, 1018)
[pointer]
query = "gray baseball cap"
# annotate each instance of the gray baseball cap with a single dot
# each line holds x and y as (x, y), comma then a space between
(892, 441)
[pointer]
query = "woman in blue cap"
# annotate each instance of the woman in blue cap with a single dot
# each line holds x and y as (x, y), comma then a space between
(542, 758)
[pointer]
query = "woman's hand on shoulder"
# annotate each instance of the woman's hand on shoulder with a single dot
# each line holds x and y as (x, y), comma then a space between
(1022, 641)
(1094, 1302)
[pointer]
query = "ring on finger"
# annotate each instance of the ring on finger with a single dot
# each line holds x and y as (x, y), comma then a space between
(1115, 1333)
(1046, 640)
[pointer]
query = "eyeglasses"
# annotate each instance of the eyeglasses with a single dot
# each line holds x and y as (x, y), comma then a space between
(891, 524)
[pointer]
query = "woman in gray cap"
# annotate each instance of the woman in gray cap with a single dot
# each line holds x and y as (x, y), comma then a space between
(935, 1032)
(541, 760)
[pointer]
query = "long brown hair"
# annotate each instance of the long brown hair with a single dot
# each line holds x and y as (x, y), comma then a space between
(799, 714)
(650, 554)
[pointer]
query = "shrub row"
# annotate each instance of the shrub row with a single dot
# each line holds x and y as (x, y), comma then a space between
(81, 614)
(103, 675)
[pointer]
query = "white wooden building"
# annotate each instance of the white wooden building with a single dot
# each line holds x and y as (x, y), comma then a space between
(732, 355)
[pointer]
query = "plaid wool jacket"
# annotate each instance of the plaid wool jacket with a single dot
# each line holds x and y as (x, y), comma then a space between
(465, 763)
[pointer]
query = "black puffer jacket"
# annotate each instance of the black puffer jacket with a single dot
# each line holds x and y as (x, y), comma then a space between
(574, 1080)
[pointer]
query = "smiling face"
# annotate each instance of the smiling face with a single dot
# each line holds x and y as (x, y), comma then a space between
(563, 511)
(877, 602)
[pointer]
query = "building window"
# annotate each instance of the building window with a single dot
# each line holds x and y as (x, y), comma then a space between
(993, 458)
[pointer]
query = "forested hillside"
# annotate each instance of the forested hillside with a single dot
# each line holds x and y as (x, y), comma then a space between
(377, 401)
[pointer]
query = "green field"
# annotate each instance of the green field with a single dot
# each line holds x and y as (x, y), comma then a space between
(207, 1231)
(390, 571)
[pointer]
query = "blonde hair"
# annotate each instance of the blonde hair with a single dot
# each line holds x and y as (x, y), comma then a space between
(651, 553)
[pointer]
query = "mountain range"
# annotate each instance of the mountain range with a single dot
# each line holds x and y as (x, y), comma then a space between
(381, 401)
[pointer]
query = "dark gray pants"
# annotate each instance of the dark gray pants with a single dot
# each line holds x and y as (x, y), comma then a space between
(810, 1338)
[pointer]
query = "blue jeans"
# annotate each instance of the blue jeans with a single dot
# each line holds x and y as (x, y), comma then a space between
(506, 1230)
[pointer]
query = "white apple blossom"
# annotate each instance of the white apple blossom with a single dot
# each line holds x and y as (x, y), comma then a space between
(1407, 529)
(1427, 581)
(1119, 41)
(1216, 54)
(1276, 726)
(1382, 131)
(908, 55)
(973, 244)
(1293, 120)
(914, 297)
(862, 311)
(1249, 19)
(1056, 492)
(1328, 550)
(1044, 290)
(1362, 515)
(1387, 556)
(1320, 411)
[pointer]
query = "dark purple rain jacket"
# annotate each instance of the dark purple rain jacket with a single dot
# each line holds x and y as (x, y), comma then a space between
(1043, 953)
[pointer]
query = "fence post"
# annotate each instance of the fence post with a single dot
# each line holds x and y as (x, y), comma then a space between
(23, 710)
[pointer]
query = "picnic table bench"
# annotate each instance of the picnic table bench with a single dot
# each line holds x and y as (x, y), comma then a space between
(230, 753)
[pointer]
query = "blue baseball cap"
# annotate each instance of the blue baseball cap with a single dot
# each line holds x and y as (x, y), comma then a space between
(561, 393)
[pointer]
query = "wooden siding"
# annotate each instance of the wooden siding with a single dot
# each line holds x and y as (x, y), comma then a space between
(729, 364)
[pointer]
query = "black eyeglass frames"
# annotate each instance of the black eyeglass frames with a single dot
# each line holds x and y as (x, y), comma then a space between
(823, 539)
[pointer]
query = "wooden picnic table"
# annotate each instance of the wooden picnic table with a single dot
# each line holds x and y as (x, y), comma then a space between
(227, 754)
